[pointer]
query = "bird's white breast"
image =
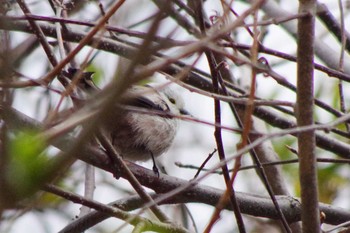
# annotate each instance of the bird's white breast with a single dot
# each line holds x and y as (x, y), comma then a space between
(155, 132)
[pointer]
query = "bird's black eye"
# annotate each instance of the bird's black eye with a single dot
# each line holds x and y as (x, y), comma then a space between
(172, 100)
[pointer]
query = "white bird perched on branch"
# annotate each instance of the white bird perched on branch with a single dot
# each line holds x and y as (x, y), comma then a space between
(144, 125)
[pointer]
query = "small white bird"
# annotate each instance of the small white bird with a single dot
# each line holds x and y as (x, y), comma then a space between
(145, 127)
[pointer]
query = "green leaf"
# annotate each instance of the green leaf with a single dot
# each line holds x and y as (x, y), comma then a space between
(27, 164)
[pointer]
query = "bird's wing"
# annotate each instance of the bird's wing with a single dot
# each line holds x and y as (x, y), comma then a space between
(144, 102)
(144, 97)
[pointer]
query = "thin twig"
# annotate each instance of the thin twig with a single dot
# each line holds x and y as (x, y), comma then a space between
(116, 159)
(275, 163)
(113, 211)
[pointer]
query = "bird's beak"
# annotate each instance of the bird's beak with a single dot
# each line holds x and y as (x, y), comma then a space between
(185, 112)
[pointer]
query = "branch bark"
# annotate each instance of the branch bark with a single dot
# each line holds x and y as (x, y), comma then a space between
(310, 215)
(254, 205)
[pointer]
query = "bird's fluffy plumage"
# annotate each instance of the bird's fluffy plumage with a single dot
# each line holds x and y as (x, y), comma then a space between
(137, 135)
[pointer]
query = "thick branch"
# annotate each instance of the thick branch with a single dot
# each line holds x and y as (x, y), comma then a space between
(305, 103)
(250, 204)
